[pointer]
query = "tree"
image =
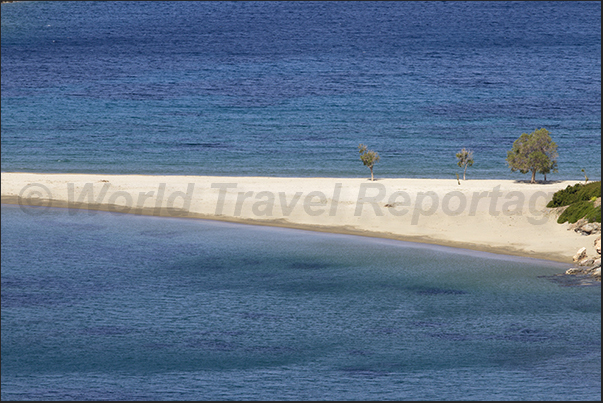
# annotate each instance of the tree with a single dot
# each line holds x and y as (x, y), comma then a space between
(585, 177)
(465, 160)
(548, 169)
(534, 152)
(368, 158)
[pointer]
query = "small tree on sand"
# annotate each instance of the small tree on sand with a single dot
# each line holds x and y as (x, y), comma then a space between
(585, 177)
(534, 152)
(368, 158)
(465, 160)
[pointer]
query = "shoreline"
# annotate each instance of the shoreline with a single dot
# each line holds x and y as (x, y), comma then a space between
(12, 200)
(498, 216)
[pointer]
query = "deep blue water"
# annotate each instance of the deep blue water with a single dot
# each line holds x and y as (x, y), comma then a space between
(290, 89)
(108, 306)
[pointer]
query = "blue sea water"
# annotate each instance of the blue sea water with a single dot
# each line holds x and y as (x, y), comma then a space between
(291, 89)
(108, 306)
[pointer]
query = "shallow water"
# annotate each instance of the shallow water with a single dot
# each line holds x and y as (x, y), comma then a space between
(107, 306)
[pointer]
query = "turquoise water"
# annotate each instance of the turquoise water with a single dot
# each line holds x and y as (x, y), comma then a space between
(108, 306)
(291, 89)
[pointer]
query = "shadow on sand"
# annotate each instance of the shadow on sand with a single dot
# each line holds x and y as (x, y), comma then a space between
(541, 182)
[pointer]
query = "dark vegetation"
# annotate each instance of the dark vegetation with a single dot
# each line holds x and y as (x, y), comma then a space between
(576, 193)
(580, 201)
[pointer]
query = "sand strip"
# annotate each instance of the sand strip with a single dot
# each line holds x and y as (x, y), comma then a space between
(499, 216)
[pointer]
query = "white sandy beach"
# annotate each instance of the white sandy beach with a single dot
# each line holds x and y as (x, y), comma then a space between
(500, 216)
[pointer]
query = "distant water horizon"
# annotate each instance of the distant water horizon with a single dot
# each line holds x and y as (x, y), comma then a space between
(291, 89)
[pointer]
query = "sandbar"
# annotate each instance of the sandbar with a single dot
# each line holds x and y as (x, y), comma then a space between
(499, 215)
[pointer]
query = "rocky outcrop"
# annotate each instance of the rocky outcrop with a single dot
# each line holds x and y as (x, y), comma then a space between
(581, 254)
(586, 265)
(582, 226)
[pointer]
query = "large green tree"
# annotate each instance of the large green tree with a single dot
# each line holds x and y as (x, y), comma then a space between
(535, 152)
(369, 158)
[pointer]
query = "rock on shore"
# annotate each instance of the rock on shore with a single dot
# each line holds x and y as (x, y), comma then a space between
(586, 265)
(583, 227)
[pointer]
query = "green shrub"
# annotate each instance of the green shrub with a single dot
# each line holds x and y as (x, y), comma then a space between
(581, 209)
(594, 215)
(576, 193)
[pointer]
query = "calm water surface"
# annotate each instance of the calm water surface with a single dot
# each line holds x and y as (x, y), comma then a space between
(291, 89)
(108, 306)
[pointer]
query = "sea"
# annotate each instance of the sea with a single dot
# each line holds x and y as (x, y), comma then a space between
(107, 306)
(292, 88)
